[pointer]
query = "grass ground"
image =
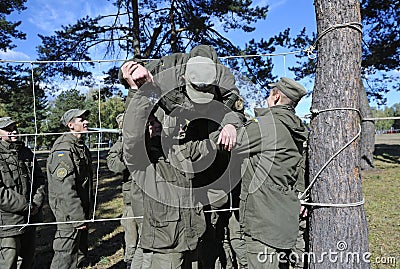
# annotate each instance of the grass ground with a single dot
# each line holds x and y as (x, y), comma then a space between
(381, 189)
(382, 195)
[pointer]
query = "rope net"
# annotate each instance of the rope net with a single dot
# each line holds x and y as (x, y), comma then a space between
(100, 153)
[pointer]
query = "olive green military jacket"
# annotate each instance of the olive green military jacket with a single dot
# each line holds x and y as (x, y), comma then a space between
(269, 150)
(170, 91)
(172, 221)
(132, 194)
(273, 145)
(70, 181)
(17, 165)
(115, 161)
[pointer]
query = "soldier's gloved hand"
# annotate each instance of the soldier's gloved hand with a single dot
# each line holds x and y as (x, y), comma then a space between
(227, 137)
(135, 74)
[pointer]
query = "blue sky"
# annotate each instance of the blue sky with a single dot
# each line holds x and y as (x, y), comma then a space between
(46, 16)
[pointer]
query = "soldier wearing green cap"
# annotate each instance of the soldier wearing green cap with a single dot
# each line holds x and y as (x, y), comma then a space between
(269, 207)
(21, 198)
(70, 184)
(193, 95)
(270, 154)
(133, 202)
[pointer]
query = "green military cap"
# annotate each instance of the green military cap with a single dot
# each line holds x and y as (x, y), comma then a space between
(5, 121)
(120, 118)
(292, 89)
(200, 76)
(73, 113)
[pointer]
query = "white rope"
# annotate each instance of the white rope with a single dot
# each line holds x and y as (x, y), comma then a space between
(284, 64)
(314, 111)
(309, 50)
(68, 222)
(61, 133)
(334, 205)
(98, 148)
(381, 118)
(34, 147)
(123, 60)
(310, 54)
(221, 210)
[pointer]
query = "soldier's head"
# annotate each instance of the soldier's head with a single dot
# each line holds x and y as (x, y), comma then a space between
(8, 130)
(154, 126)
(120, 120)
(205, 51)
(285, 92)
(76, 120)
(200, 78)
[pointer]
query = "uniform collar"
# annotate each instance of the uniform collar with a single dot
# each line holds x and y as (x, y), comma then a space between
(11, 146)
(70, 136)
(261, 111)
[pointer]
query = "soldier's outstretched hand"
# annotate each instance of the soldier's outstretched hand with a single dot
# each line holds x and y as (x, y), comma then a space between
(227, 137)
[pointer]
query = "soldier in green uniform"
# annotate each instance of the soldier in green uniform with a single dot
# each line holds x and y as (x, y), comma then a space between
(188, 109)
(269, 207)
(269, 149)
(133, 201)
(18, 202)
(70, 184)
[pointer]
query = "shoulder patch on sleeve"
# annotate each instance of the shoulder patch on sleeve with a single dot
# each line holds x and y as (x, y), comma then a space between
(61, 172)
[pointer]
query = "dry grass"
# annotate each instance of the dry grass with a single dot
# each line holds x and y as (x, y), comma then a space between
(381, 189)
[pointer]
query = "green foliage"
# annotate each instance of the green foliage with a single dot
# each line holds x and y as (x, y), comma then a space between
(8, 29)
(152, 29)
(176, 25)
(381, 48)
(66, 100)
(73, 98)
(16, 95)
(23, 113)
(393, 111)
(381, 21)
(110, 110)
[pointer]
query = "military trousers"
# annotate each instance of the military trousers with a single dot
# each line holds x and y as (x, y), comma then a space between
(131, 234)
(298, 251)
(237, 241)
(137, 260)
(18, 251)
(70, 248)
(262, 256)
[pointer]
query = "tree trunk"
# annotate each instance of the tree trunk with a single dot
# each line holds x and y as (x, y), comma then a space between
(367, 139)
(338, 235)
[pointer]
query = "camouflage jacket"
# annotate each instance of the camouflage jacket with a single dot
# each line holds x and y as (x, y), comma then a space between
(17, 166)
(169, 85)
(172, 221)
(273, 165)
(132, 194)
